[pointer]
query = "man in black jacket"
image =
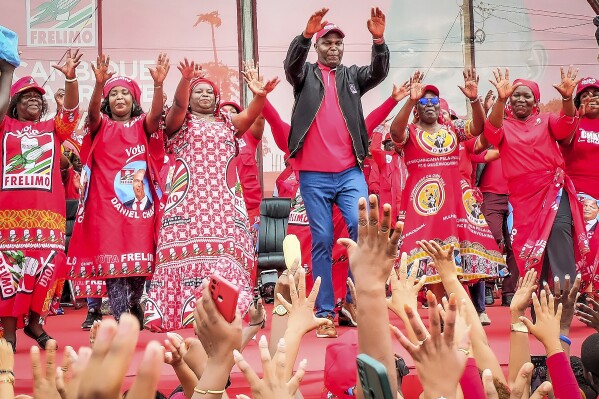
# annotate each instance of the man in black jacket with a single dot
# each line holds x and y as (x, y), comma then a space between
(328, 139)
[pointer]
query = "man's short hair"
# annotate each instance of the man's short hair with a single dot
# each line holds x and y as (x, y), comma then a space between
(590, 354)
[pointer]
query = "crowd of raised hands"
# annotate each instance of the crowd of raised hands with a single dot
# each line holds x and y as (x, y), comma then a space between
(451, 356)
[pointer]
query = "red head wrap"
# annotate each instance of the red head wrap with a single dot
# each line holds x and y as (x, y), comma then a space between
(125, 82)
(232, 104)
(197, 81)
(533, 86)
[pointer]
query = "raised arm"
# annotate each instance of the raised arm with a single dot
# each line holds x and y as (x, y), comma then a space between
(564, 127)
(246, 118)
(379, 114)
(470, 90)
(280, 129)
(371, 75)
(176, 114)
(399, 124)
(102, 75)
(300, 47)
(504, 91)
(158, 73)
(6, 74)
(71, 86)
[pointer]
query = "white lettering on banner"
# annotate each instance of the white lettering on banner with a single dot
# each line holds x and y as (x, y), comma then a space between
(138, 149)
(47, 37)
(8, 289)
(298, 218)
(47, 274)
(138, 256)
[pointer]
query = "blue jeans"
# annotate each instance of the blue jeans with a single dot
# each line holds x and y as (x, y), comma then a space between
(320, 190)
(94, 304)
(477, 292)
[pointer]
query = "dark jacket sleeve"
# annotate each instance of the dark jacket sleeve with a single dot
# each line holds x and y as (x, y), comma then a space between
(295, 61)
(373, 74)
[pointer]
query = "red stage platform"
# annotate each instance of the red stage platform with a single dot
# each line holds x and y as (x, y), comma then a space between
(66, 330)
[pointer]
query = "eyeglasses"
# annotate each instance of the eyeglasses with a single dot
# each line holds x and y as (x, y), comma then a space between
(429, 101)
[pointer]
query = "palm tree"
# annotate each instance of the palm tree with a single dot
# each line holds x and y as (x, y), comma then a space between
(214, 20)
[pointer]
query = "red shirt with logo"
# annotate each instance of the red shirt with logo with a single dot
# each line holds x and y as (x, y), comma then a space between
(582, 157)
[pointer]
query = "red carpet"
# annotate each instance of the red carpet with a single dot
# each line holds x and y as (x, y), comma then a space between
(66, 330)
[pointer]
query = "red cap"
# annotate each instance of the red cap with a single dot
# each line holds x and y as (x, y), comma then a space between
(431, 88)
(340, 368)
(585, 84)
(25, 83)
(328, 29)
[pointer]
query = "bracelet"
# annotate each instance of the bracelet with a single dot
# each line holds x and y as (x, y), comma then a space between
(7, 372)
(260, 323)
(207, 391)
(474, 101)
(565, 339)
(566, 98)
(158, 87)
(379, 40)
(71, 80)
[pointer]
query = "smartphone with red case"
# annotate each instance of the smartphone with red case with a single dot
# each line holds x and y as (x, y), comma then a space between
(225, 295)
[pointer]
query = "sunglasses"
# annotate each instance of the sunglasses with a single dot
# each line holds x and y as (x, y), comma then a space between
(429, 101)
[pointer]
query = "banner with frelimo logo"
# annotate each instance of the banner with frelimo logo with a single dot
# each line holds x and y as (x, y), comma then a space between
(61, 23)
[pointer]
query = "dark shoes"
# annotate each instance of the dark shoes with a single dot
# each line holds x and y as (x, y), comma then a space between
(92, 316)
(348, 315)
(506, 299)
(489, 299)
(41, 339)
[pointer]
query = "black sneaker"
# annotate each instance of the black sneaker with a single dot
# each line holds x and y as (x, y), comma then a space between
(92, 316)
(506, 299)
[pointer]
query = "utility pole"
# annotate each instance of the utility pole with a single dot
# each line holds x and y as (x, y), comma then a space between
(247, 39)
(468, 26)
(99, 28)
(594, 5)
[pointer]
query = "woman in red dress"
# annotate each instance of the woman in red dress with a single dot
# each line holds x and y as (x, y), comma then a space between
(581, 152)
(548, 228)
(32, 203)
(437, 202)
(204, 228)
(113, 237)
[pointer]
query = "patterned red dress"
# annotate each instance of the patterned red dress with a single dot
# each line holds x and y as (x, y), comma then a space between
(204, 229)
(32, 215)
(439, 204)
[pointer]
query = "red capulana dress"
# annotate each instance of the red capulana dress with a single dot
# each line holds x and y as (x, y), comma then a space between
(534, 169)
(204, 229)
(32, 215)
(439, 204)
(114, 231)
(581, 158)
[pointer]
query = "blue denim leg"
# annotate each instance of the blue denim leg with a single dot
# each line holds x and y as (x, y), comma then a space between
(318, 192)
(94, 303)
(350, 186)
(477, 292)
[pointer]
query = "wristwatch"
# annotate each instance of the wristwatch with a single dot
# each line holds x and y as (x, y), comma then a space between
(519, 327)
(279, 310)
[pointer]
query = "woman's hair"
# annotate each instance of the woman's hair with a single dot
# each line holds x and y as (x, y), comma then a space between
(136, 109)
(159, 395)
(12, 106)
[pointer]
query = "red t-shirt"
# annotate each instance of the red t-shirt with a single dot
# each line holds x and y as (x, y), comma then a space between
(492, 179)
(582, 155)
(328, 146)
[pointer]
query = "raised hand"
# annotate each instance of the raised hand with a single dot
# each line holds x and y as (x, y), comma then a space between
(521, 386)
(218, 337)
(567, 297)
(101, 69)
(44, 384)
(72, 61)
(443, 259)
(63, 373)
(503, 85)
(588, 105)
(273, 384)
(470, 88)
(587, 314)
(371, 259)
(401, 92)
(301, 308)
(255, 82)
(7, 365)
(176, 348)
(257, 314)
(524, 289)
(437, 353)
(189, 70)
(489, 101)
(404, 290)
(376, 23)
(569, 82)
(547, 326)
(160, 70)
(416, 86)
(315, 23)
